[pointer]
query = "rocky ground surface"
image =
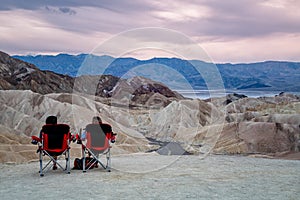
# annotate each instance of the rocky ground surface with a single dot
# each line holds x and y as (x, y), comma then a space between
(152, 176)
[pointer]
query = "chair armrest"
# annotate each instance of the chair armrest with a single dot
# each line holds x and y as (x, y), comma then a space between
(35, 140)
(113, 137)
(73, 138)
(78, 139)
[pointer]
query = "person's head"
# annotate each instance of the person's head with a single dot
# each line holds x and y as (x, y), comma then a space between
(51, 120)
(96, 120)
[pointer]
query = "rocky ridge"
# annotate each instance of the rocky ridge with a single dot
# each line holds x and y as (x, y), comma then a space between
(18, 75)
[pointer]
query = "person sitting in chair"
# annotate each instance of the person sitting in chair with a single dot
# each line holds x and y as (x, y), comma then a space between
(107, 129)
(97, 137)
(53, 141)
(50, 120)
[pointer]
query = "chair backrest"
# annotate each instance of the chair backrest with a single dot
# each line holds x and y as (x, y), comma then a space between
(96, 135)
(55, 137)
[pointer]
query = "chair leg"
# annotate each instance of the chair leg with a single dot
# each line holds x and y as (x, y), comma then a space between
(41, 163)
(108, 161)
(68, 162)
(106, 166)
(83, 160)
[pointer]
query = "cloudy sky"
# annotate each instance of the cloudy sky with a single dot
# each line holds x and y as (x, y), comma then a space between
(227, 30)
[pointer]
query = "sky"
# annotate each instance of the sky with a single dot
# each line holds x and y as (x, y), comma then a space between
(235, 31)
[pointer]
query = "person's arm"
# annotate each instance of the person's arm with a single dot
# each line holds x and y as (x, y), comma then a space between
(83, 135)
(40, 135)
(108, 131)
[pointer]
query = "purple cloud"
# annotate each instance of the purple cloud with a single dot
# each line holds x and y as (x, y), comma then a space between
(213, 23)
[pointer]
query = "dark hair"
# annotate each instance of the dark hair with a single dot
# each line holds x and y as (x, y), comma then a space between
(51, 120)
(98, 119)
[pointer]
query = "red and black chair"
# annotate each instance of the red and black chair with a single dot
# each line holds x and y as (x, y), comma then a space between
(54, 142)
(98, 139)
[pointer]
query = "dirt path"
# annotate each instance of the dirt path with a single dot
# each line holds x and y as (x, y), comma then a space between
(150, 176)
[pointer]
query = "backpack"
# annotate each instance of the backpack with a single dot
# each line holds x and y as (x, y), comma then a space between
(78, 163)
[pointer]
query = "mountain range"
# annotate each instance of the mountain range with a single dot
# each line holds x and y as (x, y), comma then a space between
(136, 91)
(177, 73)
(147, 115)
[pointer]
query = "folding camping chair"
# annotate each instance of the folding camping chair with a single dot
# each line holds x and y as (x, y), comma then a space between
(97, 145)
(55, 141)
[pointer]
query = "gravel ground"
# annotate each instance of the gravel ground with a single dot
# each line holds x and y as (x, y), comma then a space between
(151, 176)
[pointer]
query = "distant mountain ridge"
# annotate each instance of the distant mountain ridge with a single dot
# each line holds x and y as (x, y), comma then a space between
(175, 72)
(16, 74)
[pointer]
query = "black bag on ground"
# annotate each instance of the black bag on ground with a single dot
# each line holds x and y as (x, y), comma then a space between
(78, 163)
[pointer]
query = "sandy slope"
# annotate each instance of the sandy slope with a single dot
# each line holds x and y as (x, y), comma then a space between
(151, 176)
